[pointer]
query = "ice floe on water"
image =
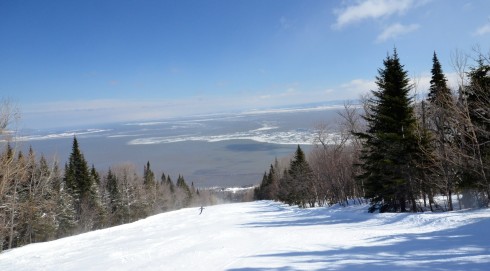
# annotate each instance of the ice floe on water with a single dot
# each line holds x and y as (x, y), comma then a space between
(226, 149)
(66, 134)
(266, 127)
(302, 137)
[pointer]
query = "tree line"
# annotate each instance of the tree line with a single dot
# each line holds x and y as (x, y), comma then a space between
(40, 202)
(396, 150)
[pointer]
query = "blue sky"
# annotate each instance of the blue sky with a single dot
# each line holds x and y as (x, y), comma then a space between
(92, 62)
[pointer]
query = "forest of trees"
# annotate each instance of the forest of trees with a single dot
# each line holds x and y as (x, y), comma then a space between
(397, 150)
(40, 202)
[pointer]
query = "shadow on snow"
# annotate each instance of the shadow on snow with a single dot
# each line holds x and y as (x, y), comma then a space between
(462, 248)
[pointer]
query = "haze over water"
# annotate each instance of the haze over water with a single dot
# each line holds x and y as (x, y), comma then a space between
(213, 150)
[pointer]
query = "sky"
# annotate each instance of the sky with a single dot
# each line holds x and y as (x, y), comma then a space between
(82, 63)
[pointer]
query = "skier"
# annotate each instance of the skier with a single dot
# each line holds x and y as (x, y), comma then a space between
(202, 208)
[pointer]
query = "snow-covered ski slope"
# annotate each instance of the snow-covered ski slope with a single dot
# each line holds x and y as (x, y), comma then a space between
(270, 236)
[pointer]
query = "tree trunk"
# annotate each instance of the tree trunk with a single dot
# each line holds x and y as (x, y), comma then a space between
(12, 216)
(449, 201)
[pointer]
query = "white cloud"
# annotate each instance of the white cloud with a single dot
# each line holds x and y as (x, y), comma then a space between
(372, 9)
(359, 84)
(483, 30)
(453, 80)
(354, 89)
(357, 87)
(422, 82)
(396, 30)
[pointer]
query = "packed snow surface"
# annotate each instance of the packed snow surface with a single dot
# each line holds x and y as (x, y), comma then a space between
(271, 236)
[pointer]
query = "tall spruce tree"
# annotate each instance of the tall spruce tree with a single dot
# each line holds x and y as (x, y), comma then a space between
(439, 92)
(259, 190)
(301, 177)
(389, 142)
(184, 188)
(148, 176)
(269, 187)
(440, 111)
(114, 200)
(95, 175)
(170, 184)
(78, 179)
(273, 182)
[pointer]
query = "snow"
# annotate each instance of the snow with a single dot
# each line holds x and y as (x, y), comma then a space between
(267, 235)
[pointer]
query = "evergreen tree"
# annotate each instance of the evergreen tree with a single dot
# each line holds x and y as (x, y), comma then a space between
(426, 173)
(269, 186)
(149, 183)
(95, 175)
(301, 178)
(182, 184)
(148, 176)
(65, 209)
(273, 181)
(81, 185)
(440, 111)
(114, 204)
(477, 95)
(285, 186)
(259, 192)
(193, 188)
(170, 184)
(96, 208)
(389, 142)
(439, 92)
(77, 175)
(25, 214)
(37, 223)
(167, 193)
(46, 227)
(184, 188)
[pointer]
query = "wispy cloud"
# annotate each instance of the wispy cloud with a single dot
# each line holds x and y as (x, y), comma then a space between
(372, 9)
(96, 112)
(93, 112)
(421, 83)
(89, 112)
(396, 30)
(357, 87)
(483, 30)
(354, 88)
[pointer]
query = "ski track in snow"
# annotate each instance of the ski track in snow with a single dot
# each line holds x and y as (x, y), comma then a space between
(271, 236)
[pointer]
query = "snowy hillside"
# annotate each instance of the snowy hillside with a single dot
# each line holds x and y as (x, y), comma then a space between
(271, 236)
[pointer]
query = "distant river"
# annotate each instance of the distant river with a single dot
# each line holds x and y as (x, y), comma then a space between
(213, 150)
